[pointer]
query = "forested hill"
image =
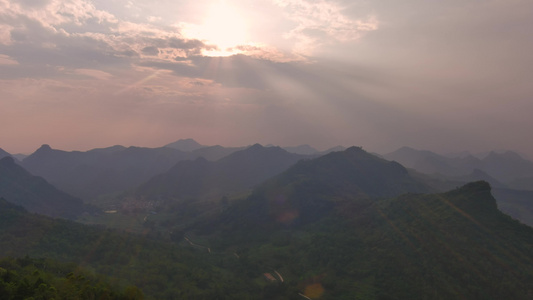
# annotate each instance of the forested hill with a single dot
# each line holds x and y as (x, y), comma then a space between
(34, 193)
(29, 278)
(160, 269)
(453, 245)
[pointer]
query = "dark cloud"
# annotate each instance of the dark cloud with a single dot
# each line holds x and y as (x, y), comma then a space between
(151, 50)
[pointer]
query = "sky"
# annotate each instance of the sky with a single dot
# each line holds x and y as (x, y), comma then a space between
(446, 76)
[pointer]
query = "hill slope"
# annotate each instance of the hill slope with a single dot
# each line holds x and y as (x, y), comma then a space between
(3, 153)
(34, 193)
(453, 245)
(162, 270)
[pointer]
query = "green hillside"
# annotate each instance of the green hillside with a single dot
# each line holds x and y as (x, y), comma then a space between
(454, 245)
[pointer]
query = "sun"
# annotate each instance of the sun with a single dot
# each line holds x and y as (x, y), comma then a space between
(223, 26)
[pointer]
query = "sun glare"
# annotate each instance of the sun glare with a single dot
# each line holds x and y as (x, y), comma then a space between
(224, 26)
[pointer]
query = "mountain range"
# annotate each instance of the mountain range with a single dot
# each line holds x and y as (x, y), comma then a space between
(506, 169)
(310, 189)
(101, 171)
(414, 246)
(235, 173)
(344, 225)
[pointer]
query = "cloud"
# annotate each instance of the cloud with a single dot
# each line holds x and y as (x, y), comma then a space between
(48, 38)
(94, 73)
(6, 60)
(56, 38)
(321, 22)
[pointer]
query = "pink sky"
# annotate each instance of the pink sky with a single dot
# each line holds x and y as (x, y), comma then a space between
(441, 75)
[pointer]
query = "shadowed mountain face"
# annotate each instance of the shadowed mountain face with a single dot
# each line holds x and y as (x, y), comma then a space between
(34, 193)
(3, 153)
(311, 188)
(508, 168)
(101, 171)
(302, 149)
(185, 145)
(234, 173)
(214, 153)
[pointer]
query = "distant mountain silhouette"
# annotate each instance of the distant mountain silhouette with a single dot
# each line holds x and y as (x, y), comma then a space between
(34, 193)
(185, 145)
(479, 175)
(236, 172)
(216, 152)
(302, 149)
(108, 150)
(507, 168)
(19, 156)
(524, 183)
(101, 171)
(334, 149)
(3, 153)
(308, 150)
(516, 203)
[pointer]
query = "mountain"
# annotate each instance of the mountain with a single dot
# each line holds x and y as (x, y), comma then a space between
(20, 156)
(524, 183)
(308, 150)
(185, 145)
(432, 163)
(101, 171)
(162, 270)
(216, 152)
(508, 168)
(234, 173)
(301, 149)
(308, 190)
(3, 153)
(108, 150)
(516, 203)
(346, 225)
(479, 175)
(334, 149)
(34, 193)
(448, 245)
